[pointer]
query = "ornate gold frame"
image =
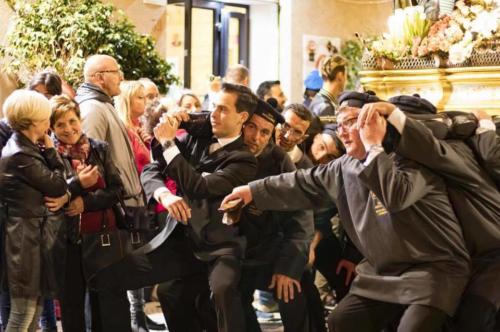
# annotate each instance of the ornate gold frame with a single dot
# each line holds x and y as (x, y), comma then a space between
(464, 88)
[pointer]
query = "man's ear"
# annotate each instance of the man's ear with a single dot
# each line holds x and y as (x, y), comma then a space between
(244, 117)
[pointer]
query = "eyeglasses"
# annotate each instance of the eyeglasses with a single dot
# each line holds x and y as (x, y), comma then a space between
(116, 71)
(286, 128)
(346, 125)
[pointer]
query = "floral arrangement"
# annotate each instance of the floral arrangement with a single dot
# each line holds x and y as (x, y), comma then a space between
(406, 27)
(473, 25)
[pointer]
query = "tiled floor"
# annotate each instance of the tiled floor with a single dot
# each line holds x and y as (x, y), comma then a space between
(154, 311)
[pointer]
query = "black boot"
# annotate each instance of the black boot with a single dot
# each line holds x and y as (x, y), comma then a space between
(154, 326)
(139, 322)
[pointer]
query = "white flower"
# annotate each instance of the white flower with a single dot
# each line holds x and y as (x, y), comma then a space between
(461, 3)
(465, 10)
(476, 9)
(485, 24)
(467, 37)
(460, 52)
(454, 32)
(466, 23)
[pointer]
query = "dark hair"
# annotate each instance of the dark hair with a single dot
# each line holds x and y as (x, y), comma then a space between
(49, 79)
(265, 88)
(301, 111)
(152, 116)
(246, 100)
(60, 105)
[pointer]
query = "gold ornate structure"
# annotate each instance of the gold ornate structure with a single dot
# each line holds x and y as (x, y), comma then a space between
(464, 88)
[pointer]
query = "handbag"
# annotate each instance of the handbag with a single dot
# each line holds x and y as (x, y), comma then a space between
(140, 221)
(104, 248)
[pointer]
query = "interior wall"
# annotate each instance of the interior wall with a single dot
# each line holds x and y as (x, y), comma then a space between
(7, 82)
(329, 18)
(263, 44)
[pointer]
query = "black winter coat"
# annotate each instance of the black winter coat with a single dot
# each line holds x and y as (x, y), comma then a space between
(35, 238)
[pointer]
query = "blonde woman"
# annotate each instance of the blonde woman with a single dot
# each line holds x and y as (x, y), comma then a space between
(131, 104)
(31, 172)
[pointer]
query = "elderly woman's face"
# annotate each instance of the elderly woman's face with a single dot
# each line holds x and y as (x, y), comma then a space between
(67, 128)
(40, 128)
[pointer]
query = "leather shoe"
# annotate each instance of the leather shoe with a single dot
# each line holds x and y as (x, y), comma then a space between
(154, 326)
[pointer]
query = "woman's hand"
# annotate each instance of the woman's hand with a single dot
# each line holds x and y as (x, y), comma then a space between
(88, 176)
(75, 207)
(47, 141)
(56, 203)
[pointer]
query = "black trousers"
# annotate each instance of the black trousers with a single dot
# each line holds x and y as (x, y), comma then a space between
(224, 279)
(297, 315)
(481, 300)
(110, 309)
(186, 301)
(356, 313)
(186, 304)
(328, 255)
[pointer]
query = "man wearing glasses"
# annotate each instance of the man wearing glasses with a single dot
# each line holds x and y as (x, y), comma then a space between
(397, 214)
(100, 121)
(293, 132)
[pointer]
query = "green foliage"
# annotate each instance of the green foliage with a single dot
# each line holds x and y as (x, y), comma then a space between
(61, 33)
(352, 51)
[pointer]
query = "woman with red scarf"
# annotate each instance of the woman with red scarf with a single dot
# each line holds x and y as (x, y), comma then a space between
(95, 187)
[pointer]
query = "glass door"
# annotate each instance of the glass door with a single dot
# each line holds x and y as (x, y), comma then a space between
(203, 38)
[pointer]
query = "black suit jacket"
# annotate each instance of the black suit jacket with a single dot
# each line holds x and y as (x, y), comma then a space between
(278, 238)
(203, 180)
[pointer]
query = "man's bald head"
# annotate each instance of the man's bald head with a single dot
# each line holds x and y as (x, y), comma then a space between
(104, 72)
(237, 74)
(97, 63)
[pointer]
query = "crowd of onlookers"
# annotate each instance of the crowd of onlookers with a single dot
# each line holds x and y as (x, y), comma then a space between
(344, 189)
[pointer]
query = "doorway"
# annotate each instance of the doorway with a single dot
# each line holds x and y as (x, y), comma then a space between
(204, 38)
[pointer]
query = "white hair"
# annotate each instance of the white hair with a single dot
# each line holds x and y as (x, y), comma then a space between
(23, 107)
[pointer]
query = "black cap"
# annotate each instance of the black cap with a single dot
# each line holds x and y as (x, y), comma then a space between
(268, 112)
(330, 129)
(413, 104)
(357, 99)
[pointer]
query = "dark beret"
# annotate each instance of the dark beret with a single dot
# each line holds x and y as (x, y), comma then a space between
(413, 104)
(357, 99)
(330, 129)
(268, 112)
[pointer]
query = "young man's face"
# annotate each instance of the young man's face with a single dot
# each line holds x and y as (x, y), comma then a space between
(257, 132)
(349, 133)
(292, 132)
(226, 121)
(278, 94)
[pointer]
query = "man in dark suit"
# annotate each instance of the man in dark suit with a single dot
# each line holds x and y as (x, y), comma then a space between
(277, 242)
(205, 168)
(399, 217)
(475, 199)
(486, 145)
(206, 164)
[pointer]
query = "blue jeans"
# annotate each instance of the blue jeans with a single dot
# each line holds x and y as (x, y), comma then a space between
(48, 320)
